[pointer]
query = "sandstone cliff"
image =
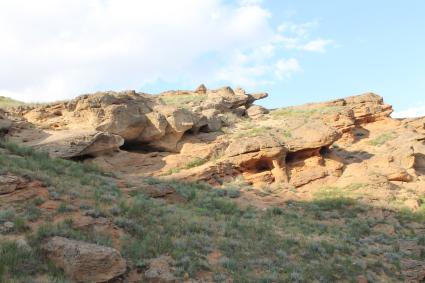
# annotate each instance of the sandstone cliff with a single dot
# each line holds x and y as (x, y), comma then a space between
(316, 160)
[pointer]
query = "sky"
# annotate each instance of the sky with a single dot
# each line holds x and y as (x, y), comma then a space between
(298, 51)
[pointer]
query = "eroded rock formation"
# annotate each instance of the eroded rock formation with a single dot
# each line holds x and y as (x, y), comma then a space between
(344, 148)
(220, 130)
(139, 119)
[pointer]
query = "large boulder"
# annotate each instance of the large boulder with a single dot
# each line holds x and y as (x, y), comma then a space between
(312, 135)
(10, 183)
(368, 107)
(256, 111)
(70, 144)
(85, 262)
(359, 109)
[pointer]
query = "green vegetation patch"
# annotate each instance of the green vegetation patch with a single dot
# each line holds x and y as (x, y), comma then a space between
(328, 239)
(17, 262)
(6, 102)
(63, 177)
(382, 139)
(196, 162)
(295, 112)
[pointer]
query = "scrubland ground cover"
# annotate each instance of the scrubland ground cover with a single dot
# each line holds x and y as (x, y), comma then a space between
(331, 238)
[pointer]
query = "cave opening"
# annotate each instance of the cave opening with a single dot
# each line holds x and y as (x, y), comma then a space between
(263, 165)
(138, 147)
(324, 151)
(419, 164)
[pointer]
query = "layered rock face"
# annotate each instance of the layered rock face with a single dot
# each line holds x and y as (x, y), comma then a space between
(291, 145)
(139, 119)
(282, 146)
(342, 149)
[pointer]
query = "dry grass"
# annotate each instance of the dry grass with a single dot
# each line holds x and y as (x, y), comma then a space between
(328, 239)
(183, 100)
(6, 102)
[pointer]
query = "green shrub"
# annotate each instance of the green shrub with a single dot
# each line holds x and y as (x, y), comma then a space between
(17, 262)
(382, 139)
(32, 213)
(195, 163)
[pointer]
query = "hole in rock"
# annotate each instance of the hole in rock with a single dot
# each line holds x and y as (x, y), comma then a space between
(138, 147)
(204, 129)
(81, 158)
(324, 151)
(263, 165)
(420, 163)
(302, 154)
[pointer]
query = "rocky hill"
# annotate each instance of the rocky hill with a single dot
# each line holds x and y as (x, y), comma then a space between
(206, 186)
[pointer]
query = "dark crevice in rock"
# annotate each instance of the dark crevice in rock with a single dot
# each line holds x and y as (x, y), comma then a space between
(138, 147)
(81, 158)
(324, 151)
(420, 163)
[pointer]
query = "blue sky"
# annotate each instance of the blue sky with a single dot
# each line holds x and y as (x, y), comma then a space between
(297, 50)
(379, 46)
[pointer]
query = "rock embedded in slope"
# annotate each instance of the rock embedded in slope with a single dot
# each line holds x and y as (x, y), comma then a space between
(256, 111)
(252, 144)
(5, 123)
(312, 135)
(70, 144)
(160, 270)
(85, 262)
(10, 183)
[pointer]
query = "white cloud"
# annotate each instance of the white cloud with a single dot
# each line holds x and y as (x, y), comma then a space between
(317, 45)
(286, 67)
(57, 49)
(411, 112)
(297, 37)
(250, 2)
(297, 30)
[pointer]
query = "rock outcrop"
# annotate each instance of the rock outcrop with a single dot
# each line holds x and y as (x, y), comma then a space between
(17, 189)
(85, 262)
(10, 183)
(97, 120)
(348, 112)
(326, 162)
(283, 146)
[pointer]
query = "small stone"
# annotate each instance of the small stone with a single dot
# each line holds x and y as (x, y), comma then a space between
(9, 226)
(256, 110)
(384, 229)
(160, 270)
(362, 279)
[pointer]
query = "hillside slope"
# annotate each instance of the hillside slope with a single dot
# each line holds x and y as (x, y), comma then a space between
(6, 102)
(205, 186)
